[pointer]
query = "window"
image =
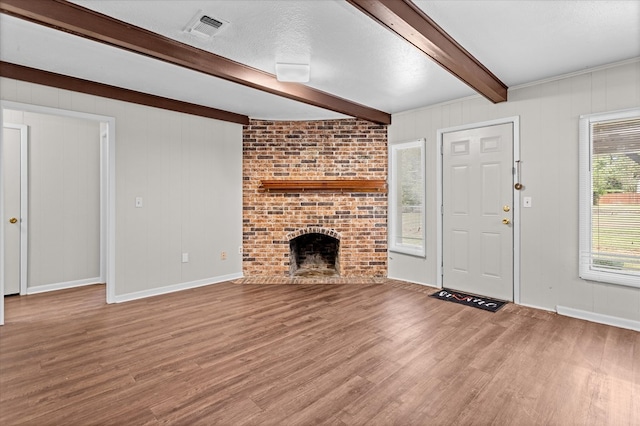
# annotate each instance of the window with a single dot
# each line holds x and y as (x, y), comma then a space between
(610, 197)
(406, 198)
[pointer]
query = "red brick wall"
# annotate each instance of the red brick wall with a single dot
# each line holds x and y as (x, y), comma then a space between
(334, 149)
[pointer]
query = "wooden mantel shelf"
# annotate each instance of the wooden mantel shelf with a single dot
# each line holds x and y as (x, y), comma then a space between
(335, 185)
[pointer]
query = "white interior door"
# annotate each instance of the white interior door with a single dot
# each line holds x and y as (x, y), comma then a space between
(14, 140)
(477, 198)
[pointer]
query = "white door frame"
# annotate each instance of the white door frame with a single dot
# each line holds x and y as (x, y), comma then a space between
(515, 120)
(107, 193)
(24, 205)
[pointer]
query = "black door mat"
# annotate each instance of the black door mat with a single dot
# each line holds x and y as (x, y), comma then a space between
(480, 302)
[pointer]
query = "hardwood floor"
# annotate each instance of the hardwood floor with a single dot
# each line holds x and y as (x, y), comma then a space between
(359, 354)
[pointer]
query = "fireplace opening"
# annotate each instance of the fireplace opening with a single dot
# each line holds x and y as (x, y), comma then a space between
(314, 255)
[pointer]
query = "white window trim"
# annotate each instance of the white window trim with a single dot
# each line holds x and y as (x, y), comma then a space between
(586, 270)
(393, 246)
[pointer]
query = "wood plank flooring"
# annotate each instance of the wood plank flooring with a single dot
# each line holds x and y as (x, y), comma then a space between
(358, 354)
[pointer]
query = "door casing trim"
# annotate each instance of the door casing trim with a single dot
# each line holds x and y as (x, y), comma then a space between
(515, 121)
(107, 190)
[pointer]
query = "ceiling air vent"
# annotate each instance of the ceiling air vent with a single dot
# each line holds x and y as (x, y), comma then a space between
(205, 26)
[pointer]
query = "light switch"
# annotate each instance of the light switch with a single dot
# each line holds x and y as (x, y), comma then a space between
(185, 257)
(526, 202)
(138, 202)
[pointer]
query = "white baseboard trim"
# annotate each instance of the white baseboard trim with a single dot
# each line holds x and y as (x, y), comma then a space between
(61, 286)
(527, 305)
(433, 286)
(599, 318)
(175, 287)
(413, 282)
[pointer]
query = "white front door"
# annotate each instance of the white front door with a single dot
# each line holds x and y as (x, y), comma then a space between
(477, 198)
(12, 220)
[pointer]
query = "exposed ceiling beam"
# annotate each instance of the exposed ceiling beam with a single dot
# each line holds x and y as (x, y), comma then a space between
(409, 22)
(46, 78)
(83, 22)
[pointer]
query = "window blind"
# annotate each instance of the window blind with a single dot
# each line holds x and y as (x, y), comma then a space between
(615, 209)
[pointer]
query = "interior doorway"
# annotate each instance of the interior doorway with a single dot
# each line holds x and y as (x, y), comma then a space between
(102, 223)
(479, 222)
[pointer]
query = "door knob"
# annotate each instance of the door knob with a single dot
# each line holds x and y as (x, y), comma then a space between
(13, 220)
(506, 221)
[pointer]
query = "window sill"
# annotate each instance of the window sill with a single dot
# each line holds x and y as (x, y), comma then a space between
(408, 252)
(627, 280)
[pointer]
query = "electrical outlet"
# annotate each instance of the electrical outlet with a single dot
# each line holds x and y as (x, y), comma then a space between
(223, 255)
(240, 250)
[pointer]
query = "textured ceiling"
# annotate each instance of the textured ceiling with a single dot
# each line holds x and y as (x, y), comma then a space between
(351, 56)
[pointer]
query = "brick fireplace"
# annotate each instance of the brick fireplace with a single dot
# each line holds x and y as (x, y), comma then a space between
(335, 232)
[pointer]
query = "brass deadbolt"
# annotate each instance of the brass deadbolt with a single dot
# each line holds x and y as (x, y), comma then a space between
(13, 220)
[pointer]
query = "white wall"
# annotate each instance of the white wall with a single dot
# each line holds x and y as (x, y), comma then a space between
(188, 170)
(549, 114)
(64, 198)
